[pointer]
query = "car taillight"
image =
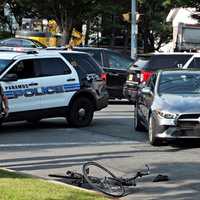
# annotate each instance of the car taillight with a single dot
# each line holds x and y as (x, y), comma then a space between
(145, 75)
(103, 76)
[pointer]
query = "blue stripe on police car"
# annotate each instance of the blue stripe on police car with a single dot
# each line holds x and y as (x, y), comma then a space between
(29, 92)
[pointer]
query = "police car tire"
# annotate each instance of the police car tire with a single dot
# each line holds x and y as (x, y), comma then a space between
(73, 117)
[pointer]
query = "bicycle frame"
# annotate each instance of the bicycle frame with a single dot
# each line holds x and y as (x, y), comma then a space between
(104, 183)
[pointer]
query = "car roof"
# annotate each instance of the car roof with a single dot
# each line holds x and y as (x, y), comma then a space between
(21, 38)
(92, 48)
(166, 53)
(65, 51)
(179, 71)
(10, 54)
(18, 38)
(196, 55)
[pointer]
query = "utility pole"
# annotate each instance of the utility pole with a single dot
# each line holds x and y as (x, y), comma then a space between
(133, 30)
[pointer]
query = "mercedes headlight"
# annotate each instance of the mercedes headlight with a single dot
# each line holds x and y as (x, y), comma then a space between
(166, 115)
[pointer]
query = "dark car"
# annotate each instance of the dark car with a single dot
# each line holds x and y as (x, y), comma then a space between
(169, 106)
(146, 65)
(115, 66)
(21, 42)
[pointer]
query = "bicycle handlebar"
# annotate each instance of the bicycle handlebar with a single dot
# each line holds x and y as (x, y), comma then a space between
(140, 173)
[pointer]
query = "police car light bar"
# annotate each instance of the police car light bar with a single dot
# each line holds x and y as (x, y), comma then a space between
(19, 49)
(56, 48)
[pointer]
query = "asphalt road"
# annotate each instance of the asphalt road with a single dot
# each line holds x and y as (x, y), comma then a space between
(53, 147)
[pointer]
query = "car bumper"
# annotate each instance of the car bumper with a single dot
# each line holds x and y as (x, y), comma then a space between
(130, 92)
(115, 92)
(168, 129)
(102, 102)
(175, 132)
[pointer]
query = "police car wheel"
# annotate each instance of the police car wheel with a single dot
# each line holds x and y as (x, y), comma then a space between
(81, 112)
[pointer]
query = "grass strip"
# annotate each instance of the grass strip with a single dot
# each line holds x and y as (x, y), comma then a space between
(15, 186)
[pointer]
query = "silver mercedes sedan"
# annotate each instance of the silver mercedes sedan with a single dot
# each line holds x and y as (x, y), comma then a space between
(168, 106)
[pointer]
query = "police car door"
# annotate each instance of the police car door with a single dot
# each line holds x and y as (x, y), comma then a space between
(23, 93)
(59, 83)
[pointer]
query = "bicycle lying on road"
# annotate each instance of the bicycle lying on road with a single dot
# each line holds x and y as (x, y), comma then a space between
(103, 180)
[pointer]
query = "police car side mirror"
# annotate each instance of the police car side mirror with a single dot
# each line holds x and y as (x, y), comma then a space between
(9, 77)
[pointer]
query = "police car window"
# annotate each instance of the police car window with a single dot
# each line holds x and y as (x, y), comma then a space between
(53, 67)
(24, 69)
(195, 63)
(86, 64)
(83, 62)
(4, 64)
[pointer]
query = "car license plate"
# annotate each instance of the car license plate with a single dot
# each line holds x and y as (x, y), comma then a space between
(130, 77)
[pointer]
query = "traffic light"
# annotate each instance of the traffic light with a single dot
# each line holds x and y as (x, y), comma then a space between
(127, 17)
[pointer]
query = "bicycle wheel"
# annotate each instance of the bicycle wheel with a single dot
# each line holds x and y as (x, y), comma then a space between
(102, 179)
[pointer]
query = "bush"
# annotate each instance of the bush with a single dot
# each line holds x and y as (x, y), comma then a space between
(4, 35)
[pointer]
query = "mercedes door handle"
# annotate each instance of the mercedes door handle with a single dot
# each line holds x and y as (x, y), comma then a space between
(33, 84)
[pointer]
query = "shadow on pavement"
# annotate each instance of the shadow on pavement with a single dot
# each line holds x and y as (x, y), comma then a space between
(184, 182)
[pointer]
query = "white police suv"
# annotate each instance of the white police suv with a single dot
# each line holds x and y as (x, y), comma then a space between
(44, 84)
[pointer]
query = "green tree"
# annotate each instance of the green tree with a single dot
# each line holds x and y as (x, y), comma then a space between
(153, 29)
(67, 15)
(183, 3)
(109, 14)
(20, 9)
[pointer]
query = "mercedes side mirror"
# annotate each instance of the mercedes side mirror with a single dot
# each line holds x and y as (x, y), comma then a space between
(147, 91)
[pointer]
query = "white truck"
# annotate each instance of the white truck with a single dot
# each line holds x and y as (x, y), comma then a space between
(186, 37)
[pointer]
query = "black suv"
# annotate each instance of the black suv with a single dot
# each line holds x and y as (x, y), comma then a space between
(115, 66)
(146, 65)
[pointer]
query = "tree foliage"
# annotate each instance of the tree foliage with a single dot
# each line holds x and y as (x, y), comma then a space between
(153, 30)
